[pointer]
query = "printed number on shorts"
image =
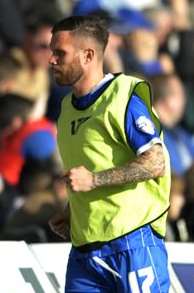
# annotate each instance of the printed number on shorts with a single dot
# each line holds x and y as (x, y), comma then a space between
(147, 275)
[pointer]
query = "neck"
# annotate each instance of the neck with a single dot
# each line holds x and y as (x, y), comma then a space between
(88, 81)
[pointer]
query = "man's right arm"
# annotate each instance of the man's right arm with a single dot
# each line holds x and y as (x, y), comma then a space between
(60, 223)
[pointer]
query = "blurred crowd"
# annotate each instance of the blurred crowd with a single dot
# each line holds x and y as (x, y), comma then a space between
(152, 39)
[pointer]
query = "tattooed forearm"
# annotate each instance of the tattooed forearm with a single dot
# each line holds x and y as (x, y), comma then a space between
(149, 165)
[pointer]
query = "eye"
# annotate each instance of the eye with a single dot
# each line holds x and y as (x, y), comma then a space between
(59, 53)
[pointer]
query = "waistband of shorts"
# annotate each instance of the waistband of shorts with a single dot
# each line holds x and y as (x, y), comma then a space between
(142, 237)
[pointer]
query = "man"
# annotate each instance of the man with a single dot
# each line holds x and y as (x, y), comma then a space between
(21, 139)
(33, 79)
(116, 166)
(169, 102)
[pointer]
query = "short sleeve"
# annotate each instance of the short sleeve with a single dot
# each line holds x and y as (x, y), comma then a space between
(140, 129)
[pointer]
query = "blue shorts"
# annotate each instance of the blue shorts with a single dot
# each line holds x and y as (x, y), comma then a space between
(134, 263)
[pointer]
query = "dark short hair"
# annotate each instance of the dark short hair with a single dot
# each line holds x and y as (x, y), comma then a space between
(160, 85)
(12, 105)
(86, 26)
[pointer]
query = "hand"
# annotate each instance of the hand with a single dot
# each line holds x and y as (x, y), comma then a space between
(80, 179)
(60, 225)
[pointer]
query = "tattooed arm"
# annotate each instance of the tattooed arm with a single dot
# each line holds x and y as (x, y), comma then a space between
(148, 165)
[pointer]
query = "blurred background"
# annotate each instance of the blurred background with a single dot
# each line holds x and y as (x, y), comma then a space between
(153, 39)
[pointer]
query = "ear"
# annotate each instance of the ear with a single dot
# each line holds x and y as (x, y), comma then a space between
(88, 55)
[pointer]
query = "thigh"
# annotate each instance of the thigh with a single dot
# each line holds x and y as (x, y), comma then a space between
(149, 270)
(83, 276)
(141, 270)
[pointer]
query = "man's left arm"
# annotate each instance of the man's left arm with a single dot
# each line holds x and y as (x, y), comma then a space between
(148, 165)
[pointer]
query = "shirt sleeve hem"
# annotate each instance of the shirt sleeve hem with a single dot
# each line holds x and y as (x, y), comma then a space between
(148, 145)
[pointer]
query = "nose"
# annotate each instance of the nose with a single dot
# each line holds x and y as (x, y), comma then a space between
(52, 60)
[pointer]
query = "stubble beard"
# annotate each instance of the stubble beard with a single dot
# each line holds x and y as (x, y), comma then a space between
(72, 75)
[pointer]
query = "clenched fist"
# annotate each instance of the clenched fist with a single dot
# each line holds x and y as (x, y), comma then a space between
(80, 179)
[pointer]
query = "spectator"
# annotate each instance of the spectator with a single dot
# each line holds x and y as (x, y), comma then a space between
(140, 53)
(181, 14)
(39, 201)
(143, 45)
(21, 138)
(162, 18)
(34, 81)
(169, 102)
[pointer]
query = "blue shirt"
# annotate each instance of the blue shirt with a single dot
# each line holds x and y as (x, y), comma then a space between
(140, 129)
